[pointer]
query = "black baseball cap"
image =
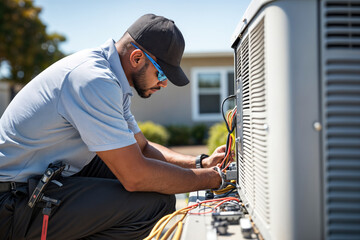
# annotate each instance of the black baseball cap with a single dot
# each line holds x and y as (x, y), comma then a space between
(160, 36)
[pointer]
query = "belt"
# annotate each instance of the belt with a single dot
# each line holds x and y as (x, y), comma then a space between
(8, 186)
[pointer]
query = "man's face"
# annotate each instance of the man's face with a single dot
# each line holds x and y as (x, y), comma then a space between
(145, 81)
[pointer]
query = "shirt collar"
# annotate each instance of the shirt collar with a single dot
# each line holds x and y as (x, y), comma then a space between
(112, 56)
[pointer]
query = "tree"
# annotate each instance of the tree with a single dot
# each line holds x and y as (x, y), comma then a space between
(24, 43)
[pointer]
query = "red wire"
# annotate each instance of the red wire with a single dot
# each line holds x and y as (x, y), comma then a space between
(223, 200)
(230, 142)
(228, 152)
(226, 166)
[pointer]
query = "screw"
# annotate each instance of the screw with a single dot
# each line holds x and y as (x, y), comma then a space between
(266, 127)
(317, 126)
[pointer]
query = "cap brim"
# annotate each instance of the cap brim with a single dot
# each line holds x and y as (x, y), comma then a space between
(175, 74)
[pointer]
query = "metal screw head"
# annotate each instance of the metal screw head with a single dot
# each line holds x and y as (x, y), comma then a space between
(317, 126)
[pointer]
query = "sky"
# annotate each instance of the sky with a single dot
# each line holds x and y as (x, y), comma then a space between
(207, 25)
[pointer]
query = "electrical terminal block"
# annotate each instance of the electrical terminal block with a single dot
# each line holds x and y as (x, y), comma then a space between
(231, 175)
(231, 172)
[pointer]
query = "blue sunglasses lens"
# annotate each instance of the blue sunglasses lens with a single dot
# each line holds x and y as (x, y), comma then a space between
(161, 76)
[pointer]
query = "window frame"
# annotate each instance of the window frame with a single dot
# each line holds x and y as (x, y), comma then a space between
(195, 91)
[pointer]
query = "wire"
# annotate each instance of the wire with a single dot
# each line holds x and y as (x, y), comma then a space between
(230, 121)
(161, 224)
(230, 185)
(222, 109)
(227, 150)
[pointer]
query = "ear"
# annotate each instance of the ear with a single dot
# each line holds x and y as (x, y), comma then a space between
(137, 58)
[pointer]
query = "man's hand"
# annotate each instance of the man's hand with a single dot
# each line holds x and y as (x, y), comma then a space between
(216, 158)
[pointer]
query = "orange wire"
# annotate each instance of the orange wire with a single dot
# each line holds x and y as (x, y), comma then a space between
(233, 112)
(223, 200)
(228, 152)
(232, 117)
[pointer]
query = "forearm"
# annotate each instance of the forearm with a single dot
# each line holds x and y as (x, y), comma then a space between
(139, 173)
(170, 179)
(156, 151)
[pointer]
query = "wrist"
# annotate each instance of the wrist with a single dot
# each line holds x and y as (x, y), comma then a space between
(199, 160)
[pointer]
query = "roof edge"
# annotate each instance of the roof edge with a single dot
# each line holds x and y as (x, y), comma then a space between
(208, 54)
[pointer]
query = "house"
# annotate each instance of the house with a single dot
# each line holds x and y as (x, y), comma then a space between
(211, 78)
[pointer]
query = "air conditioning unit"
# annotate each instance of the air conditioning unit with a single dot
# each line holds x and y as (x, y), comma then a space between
(297, 67)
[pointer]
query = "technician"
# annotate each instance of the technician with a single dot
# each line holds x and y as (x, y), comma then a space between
(116, 184)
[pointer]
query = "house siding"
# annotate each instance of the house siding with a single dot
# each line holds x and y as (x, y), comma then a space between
(173, 105)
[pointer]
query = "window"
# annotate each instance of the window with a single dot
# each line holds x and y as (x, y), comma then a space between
(211, 85)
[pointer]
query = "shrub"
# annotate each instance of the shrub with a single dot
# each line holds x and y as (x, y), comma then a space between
(198, 133)
(179, 135)
(154, 132)
(217, 136)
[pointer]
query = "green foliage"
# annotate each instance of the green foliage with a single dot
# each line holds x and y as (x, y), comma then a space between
(25, 44)
(217, 136)
(198, 133)
(154, 132)
(174, 135)
(179, 135)
(186, 135)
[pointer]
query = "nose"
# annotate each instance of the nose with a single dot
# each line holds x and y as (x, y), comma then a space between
(163, 83)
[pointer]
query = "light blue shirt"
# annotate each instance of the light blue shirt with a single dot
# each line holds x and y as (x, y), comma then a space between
(76, 107)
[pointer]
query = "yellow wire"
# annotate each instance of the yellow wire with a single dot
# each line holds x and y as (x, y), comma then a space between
(178, 232)
(159, 222)
(228, 188)
(168, 232)
(160, 225)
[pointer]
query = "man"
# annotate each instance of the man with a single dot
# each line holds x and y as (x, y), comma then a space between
(78, 111)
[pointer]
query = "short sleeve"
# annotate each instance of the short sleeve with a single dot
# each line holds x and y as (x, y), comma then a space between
(129, 117)
(93, 102)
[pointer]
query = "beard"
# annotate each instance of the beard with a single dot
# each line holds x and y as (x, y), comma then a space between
(139, 82)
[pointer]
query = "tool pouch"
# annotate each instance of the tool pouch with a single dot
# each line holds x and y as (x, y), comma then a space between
(38, 184)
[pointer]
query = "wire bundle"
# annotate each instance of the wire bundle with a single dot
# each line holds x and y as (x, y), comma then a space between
(230, 122)
(212, 204)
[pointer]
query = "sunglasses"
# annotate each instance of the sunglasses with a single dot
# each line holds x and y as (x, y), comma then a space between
(160, 75)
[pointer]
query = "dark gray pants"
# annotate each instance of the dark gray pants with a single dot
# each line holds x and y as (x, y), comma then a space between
(94, 206)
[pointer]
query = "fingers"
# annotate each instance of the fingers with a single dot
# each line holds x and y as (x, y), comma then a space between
(219, 155)
(220, 149)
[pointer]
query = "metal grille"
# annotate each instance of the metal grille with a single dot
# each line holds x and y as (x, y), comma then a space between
(238, 63)
(253, 169)
(258, 121)
(246, 165)
(343, 148)
(341, 22)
